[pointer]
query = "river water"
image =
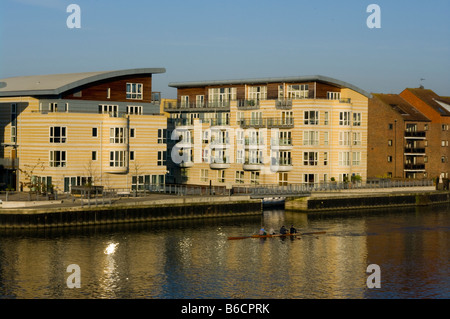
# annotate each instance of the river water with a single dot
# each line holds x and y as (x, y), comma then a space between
(194, 259)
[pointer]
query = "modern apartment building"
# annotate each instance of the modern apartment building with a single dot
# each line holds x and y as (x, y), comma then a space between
(408, 135)
(307, 129)
(100, 128)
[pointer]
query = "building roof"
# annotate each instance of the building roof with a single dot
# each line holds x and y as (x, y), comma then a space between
(296, 79)
(438, 103)
(55, 84)
(403, 107)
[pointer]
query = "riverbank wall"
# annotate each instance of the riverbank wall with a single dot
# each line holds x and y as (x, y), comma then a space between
(355, 200)
(127, 211)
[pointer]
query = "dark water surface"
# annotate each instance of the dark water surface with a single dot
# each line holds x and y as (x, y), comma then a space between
(194, 259)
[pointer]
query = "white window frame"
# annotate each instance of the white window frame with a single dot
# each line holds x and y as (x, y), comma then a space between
(62, 138)
(117, 158)
(311, 117)
(118, 135)
(344, 118)
(57, 158)
(135, 91)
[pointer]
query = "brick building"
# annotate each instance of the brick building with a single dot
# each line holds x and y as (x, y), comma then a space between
(408, 135)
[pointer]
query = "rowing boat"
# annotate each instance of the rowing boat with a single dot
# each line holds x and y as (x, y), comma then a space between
(276, 235)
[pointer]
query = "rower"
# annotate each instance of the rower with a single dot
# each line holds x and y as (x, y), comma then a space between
(262, 231)
(283, 230)
(293, 230)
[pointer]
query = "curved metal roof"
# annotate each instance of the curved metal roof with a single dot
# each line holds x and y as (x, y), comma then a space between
(55, 84)
(295, 79)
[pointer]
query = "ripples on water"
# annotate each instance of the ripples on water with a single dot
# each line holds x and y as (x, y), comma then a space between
(194, 259)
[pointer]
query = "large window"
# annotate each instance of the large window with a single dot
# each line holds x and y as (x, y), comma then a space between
(117, 135)
(344, 138)
(162, 158)
(310, 158)
(219, 97)
(135, 91)
(311, 118)
(344, 118)
(58, 158)
(310, 138)
(298, 91)
(344, 158)
(117, 158)
(112, 110)
(257, 93)
(58, 134)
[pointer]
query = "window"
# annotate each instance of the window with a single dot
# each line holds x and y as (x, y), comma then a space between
(333, 95)
(257, 93)
(311, 138)
(184, 101)
(221, 176)
(117, 158)
(239, 177)
(94, 132)
(136, 110)
(57, 134)
(298, 91)
(356, 119)
(444, 143)
(220, 97)
(443, 159)
(204, 175)
(344, 118)
(240, 156)
(325, 138)
(112, 110)
(356, 158)
(94, 155)
(108, 93)
(344, 158)
(53, 107)
(325, 159)
(310, 158)
(14, 122)
(132, 132)
(205, 156)
(325, 118)
(389, 159)
(131, 155)
(389, 142)
(117, 135)
(162, 158)
(390, 126)
(311, 118)
(283, 179)
(134, 91)
(139, 182)
(254, 178)
(200, 101)
(344, 138)
(57, 158)
(162, 136)
(287, 118)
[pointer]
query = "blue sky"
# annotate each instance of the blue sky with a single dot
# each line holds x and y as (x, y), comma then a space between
(213, 40)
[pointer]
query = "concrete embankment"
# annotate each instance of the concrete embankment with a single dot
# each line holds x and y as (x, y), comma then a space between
(361, 199)
(62, 214)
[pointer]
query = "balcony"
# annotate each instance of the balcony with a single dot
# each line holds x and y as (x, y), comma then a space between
(281, 165)
(281, 144)
(267, 123)
(283, 104)
(253, 165)
(198, 106)
(219, 163)
(414, 151)
(420, 135)
(414, 167)
(248, 104)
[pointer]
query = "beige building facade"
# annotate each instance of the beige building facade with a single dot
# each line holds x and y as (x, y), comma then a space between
(310, 129)
(96, 128)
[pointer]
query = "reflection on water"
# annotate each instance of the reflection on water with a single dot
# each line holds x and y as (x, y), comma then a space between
(194, 259)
